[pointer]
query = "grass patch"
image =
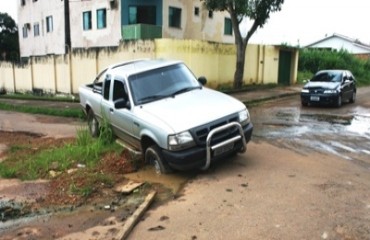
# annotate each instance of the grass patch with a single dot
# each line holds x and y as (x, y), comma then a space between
(30, 96)
(67, 112)
(28, 164)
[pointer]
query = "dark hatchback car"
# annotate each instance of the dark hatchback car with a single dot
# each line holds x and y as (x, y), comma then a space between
(330, 87)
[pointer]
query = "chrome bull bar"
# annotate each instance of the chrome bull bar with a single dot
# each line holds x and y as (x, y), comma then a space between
(220, 145)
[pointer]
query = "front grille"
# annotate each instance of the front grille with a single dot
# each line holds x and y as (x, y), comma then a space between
(316, 90)
(200, 133)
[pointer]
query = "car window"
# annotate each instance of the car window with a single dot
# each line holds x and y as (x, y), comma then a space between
(327, 77)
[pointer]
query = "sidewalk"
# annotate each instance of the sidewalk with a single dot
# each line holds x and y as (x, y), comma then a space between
(258, 95)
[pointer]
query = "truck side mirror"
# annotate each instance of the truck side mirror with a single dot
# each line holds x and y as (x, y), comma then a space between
(202, 80)
(122, 103)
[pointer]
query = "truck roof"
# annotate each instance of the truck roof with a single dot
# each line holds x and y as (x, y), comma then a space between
(141, 65)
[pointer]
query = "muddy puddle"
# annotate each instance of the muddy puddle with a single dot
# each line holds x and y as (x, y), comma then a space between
(102, 219)
(97, 220)
(344, 135)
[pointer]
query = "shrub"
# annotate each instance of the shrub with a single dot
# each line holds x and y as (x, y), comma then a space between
(313, 60)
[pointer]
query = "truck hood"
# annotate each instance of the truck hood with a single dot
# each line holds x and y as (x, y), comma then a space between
(325, 85)
(190, 109)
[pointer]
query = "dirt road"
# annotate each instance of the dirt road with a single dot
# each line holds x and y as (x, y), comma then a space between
(268, 193)
(278, 189)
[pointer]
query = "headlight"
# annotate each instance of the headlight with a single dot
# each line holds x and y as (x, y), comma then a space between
(305, 91)
(330, 91)
(244, 117)
(180, 141)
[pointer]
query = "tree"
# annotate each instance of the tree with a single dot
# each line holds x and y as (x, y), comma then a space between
(9, 46)
(257, 11)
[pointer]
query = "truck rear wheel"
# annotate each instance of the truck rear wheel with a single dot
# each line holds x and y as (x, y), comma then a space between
(93, 124)
(154, 156)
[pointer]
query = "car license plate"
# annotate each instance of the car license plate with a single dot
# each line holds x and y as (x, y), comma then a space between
(315, 98)
(223, 149)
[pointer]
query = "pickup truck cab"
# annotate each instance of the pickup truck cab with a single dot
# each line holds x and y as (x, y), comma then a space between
(159, 108)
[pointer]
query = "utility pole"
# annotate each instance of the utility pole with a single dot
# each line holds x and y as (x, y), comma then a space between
(67, 27)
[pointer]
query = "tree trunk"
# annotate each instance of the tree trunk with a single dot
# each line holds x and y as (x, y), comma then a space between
(240, 61)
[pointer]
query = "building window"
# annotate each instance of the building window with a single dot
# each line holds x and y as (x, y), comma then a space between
(49, 24)
(210, 14)
(196, 11)
(174, 17)
(25, 30)
(23, 2)
(142, 14)
(228, 28)
(86, 20)
(34, 0)
(36, 29)
(101, 18)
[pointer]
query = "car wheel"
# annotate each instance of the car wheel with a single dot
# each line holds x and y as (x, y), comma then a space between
(353, 97)
(339, 101)
(154, 157)
(93, 124)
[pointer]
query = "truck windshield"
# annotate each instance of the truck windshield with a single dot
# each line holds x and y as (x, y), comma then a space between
(161, 83)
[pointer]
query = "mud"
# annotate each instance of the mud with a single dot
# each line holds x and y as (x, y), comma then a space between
(28, 209)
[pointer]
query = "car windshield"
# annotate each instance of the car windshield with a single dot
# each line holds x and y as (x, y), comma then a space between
(161, 83)
(330, 76)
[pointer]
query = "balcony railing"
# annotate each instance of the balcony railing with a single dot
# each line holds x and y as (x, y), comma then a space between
(141, 31)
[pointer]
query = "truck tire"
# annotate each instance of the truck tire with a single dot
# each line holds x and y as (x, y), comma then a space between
(154, 156)
(93, 124)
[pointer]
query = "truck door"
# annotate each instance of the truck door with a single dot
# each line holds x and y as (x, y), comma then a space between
(122, 117)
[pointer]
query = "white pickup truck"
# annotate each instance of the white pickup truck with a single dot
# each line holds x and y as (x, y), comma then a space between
(159, 108)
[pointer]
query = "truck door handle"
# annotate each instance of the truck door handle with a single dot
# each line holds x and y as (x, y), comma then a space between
(136, 124)
(111, 110)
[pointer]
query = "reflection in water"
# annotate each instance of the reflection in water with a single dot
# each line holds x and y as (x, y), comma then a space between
(344, 135)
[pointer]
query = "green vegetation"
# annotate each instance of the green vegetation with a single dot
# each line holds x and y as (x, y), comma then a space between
(313, 60)
(27, 164)
(64, 112)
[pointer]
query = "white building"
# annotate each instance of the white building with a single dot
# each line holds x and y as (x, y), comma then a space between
(339, 42)
(55, 26)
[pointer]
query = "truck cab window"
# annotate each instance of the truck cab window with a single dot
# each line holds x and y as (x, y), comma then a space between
(106, 87)
(119, 91)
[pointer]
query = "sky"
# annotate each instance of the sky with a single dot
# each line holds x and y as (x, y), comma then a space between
(300, 22)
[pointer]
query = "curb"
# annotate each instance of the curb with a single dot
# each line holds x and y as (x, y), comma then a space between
(254, 101)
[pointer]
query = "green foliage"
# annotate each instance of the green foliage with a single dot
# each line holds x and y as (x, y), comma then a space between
(304, 76)
(85, 150)
(8, 38)
(106, 134)
(65, 112)
(7, 172)
(258, 11)
(313, 60)
(253, 9)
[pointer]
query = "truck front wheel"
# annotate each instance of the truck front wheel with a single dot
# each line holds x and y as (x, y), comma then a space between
(154, 156)
(93, 124)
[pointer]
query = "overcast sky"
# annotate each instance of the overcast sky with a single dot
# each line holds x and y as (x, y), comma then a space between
(299, 22)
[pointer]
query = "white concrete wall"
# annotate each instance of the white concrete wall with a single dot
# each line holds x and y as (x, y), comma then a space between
(338, 43)
(46, 42)
(195, 27)
(109, 36)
